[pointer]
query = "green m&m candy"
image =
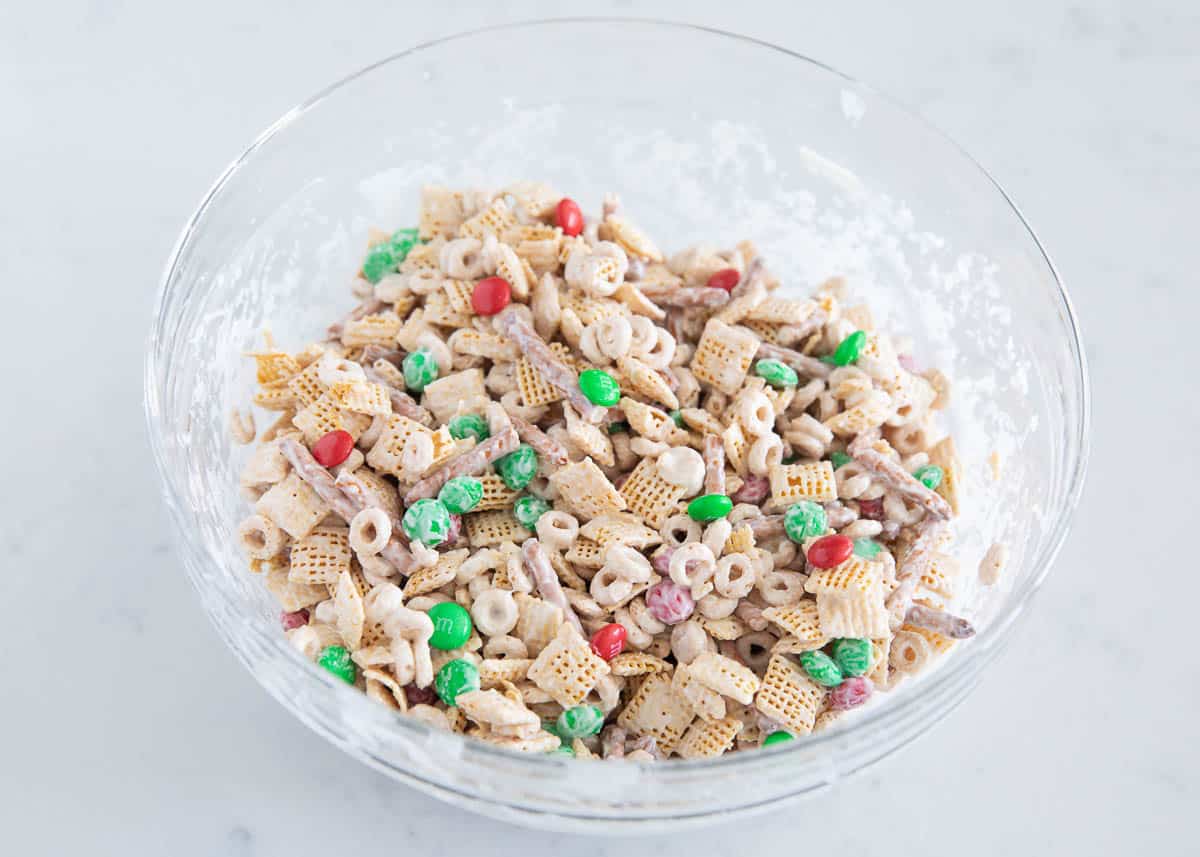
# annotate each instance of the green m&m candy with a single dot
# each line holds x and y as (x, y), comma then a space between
(804, 520)
(562, 750)
(849, 349)
(451, 625)
(337, 660)
(778, 737)
(821, 668)
(839, 459)
(599, 387)
(469, 425)
(528, 509)
(461, 494)
(709, 507)
(776, 373)
(381, 261)
(403, 240)
(853, 655)
(455, 677)
(677, 416)
(867, 548)
(930, 476)
(618, 427)
(427, 521)
(579, 721)
(517, 469)
(419, 369)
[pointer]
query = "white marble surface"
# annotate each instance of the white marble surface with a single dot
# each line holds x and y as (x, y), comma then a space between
(128, 728)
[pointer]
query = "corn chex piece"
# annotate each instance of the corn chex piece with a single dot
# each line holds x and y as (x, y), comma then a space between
(441, 212)
(659, 275)
(734, 439)
(292, 506)
(294, 596)
(537, 623)
(535, 389)
(800, 620)
(445, 446)
(274, 367)
(827, 719)
(705, 702)
(723, 356)
(378, 329)
(277, 397)
(497, 218)
(492, 528)
(585, 553)
(788, 696)
(648, 495)
(645, 381)
(855, 577)
(637, 663)
(590, 310)
(724, 675)
(632, 239)
(439, 311)
(458, 295)
(306, 386)
(567, 668)
(321, 556)
(445, 396)
(791, 483)
(480, 343)
(646, 420)
(620, 528)
(356, 576)
(433, 577)
(868, 414)
(495, 671)
(496, 495)
(701, 421)
(586, 490)
(789, 645)
(944, 456)
(540, 741)
(783, 311)
(706, 739)
(857, 616)
(741, 540)
(767, 332)
(362, 398)
(725, 628)
(656, 710)
(386, 454)
(324, 416)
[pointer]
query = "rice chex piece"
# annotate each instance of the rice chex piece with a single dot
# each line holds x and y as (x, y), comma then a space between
(788, 696)
(800, 620)
(497, 218)
(274, 367)
(567, 668)
(863, 616)
(782, 311)
(650, 496)
(590, 310)
(496, 671)
(646, 382)
(631, 238)
(567, 575)
(791, 483)
(445, 396)
(855, 577)
(939, 643)
(433, 577)
(386, 454)
(378, 329)
(736, 446)
(704, 701)
(439, 311)
(535, 389)
(637, 663)
(362, 398)
(656, 710)
(723, 356)
(294, 596)
(725, 628)
(586, 490)
(445, 446)
(944, 456)
(646, 420)
(321, 556)
(868, 414)
(266, 466)
(620, 528)
(741, 540)
(496, 495)
(292, 506)
(441, 212)
(276, 397)
(706, 739)
(724, 675)
(324, 416)
(585, 553)
(494, 527)
(458, 295)
(306, 386)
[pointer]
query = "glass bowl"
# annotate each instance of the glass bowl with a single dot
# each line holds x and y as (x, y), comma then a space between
(706, 136)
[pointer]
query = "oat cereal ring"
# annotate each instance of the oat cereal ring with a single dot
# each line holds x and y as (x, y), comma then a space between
(779, 588)
(713, 606)
(755, 412)
(557, 530)
(494, 611)
(735, 576)
(679, 530)
(332, 369)
(627, 562)
(910, 652)
(260, 538)
(505, 646)
(613, 336)
(462, 258)
(609, 587)
(692, 566)
(765, 453)
(370, 531)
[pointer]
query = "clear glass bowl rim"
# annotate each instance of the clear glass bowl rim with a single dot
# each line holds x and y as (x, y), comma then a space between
(983, 645)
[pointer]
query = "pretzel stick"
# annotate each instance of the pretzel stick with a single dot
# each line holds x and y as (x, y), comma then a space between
(802, 363)
(714, 465)
(371, 353)
(402, 403)
(862, 450)
(368, 307)
(537, 564)
(946, 624)
(555, 371)
(755, 273)
(544, 445)
(908, 573)
(688, 296)
(344, 505)
(469, 463)
(362, 493)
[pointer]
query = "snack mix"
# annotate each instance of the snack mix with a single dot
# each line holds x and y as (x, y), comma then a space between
(551, 489)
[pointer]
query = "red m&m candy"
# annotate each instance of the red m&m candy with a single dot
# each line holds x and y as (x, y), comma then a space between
(491, 295)
(726, 279)
(828, 551)
(608, 642)
(568, 217)
(333, 448)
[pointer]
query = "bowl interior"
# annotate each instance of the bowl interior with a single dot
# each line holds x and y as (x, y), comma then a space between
(748, 141)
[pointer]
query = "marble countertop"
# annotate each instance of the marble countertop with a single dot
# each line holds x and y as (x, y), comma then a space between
(128, 728)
